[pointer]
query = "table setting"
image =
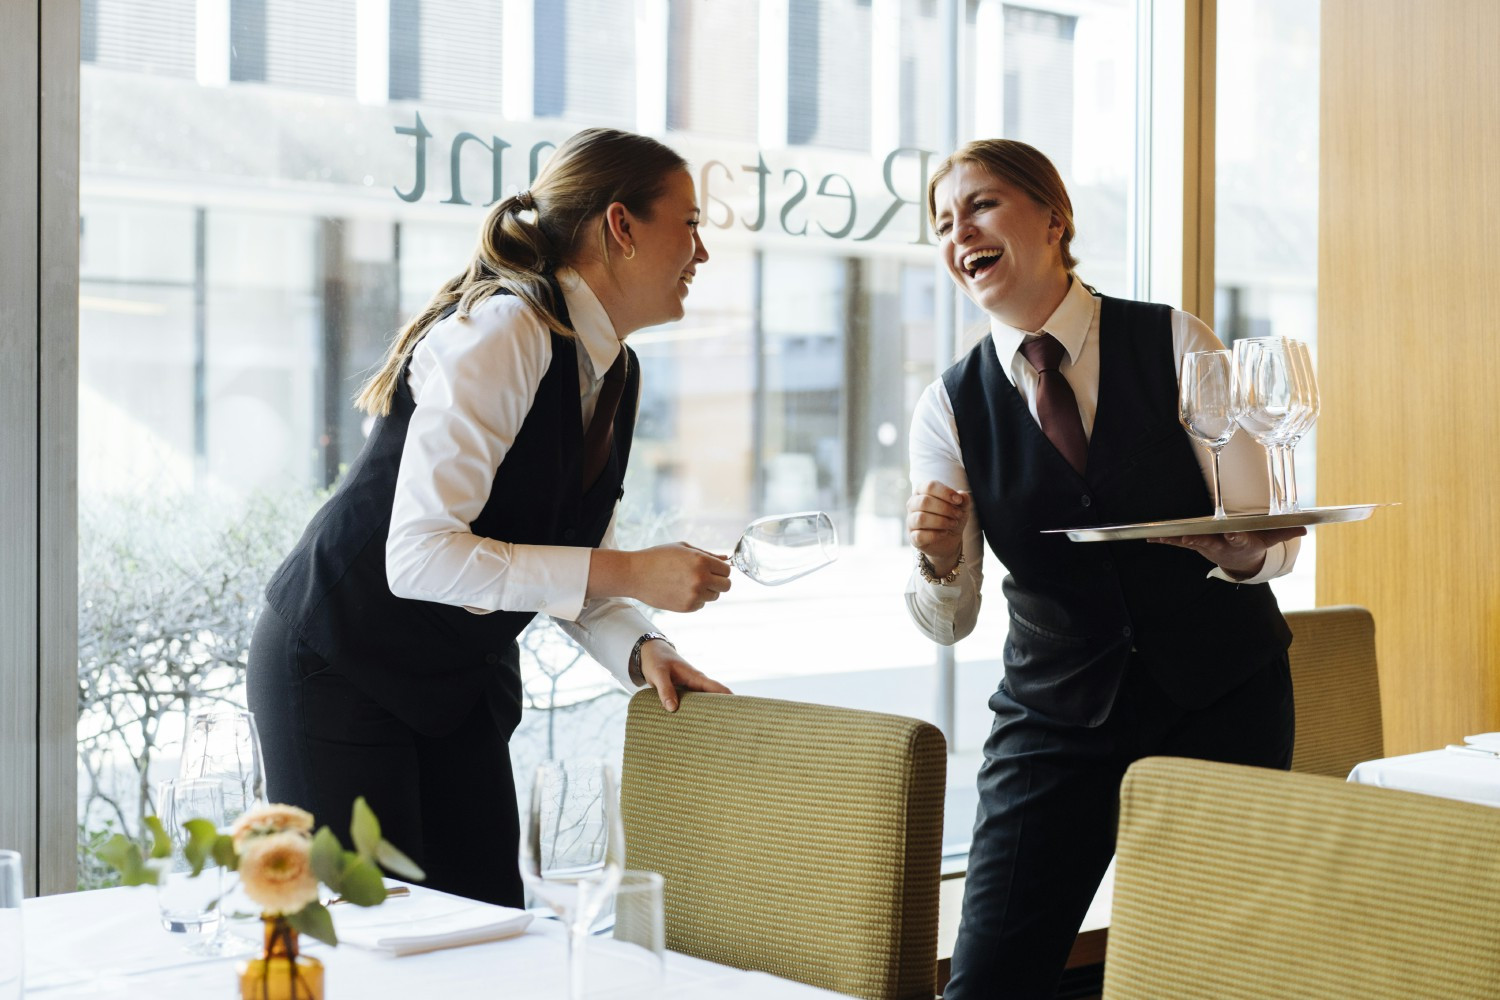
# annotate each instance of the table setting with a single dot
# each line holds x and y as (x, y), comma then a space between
(1468, 771)
(1266, 387)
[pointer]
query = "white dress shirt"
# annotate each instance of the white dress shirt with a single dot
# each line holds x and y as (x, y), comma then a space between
(947, 612)
(474, 381)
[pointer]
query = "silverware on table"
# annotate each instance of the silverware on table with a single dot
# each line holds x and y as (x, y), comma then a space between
(1475, 751)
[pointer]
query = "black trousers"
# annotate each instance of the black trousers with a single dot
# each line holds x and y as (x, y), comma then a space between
(448, 802)
(1048, 805)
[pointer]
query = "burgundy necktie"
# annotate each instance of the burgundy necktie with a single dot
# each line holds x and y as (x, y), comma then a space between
(1056, 406)
(596, 440)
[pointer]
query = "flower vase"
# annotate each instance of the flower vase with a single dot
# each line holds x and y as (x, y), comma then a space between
(282, 973)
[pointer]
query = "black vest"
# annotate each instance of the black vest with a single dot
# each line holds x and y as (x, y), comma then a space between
(1078, 611)
(429, 664)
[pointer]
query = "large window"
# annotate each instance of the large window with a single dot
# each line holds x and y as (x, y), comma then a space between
(269, 188)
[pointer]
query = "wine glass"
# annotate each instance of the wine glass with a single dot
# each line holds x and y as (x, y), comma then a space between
(779, 549)
(1206, 405)
(1263, 390)
(573, 848)
(222, 744)
(1305, 407)
(188, 903)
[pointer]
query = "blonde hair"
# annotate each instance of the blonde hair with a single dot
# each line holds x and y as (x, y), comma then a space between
(589, 172)
(1024, 166)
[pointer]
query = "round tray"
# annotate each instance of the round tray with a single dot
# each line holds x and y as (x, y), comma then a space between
(1210, 526)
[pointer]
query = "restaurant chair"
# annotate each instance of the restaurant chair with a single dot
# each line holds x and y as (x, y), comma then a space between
(1337, 690)
(1242, 882)
(799, 840)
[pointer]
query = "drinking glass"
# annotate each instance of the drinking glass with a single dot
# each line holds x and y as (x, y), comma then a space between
(12, 949)
(779, 549)
(1264, 393)
(636, 960)
(1305, 407)
(223, 744)
(189, 904)
(1206, 405)
(573, 849)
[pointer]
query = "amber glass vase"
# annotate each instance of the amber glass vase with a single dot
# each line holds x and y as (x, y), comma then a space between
(282, 974)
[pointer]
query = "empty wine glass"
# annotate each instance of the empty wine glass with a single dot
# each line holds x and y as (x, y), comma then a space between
(573, 848)
(1305, 408)
(779, 549)
(188, 903)
(1206, 406)
(1263, 391)
(223, 744)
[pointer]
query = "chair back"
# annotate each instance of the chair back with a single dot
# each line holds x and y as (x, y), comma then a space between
(799, 840)
(1337, 690)
(1241, 882)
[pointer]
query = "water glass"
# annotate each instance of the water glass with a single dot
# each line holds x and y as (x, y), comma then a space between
(12, 944)
(188, 903)
(1265, 399)
(635, 962)
(1207, 407)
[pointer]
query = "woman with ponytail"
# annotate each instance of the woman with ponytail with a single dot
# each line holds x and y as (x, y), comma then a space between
(385, 663)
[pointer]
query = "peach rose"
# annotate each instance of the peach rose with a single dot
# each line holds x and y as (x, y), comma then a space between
(273, 818)
(276, 871)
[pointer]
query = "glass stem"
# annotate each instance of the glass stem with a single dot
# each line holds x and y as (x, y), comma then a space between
(1218, 494)
(578, 934)
(1289, 475)
(1273, 473)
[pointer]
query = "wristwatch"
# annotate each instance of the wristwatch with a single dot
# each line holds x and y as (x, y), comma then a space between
(925, 570)
(635, 655)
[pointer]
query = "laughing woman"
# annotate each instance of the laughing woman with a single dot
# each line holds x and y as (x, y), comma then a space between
(385, 664)
(1066, 415)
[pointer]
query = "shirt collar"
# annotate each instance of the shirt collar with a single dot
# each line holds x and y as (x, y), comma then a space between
(1069, 323)
(590, 322)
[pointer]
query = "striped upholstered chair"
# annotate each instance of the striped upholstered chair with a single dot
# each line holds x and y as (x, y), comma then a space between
(1239, 882)
(799, 840)
(1337, 690)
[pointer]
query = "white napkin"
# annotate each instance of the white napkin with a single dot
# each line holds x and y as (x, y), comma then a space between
(425, 922)
(1485, 741)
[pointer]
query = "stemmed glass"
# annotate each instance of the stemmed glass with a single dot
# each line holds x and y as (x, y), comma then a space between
(1305, 407)
(1263, 390)
(223, 745)
(189, 904)
(1207, 407)
(779, 549)
(573, 849)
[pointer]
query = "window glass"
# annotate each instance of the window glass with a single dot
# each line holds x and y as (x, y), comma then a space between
(270, 188)
(1266, 216)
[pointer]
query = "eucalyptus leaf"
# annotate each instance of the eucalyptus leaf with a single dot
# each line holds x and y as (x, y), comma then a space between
(363, 884)
(365, 829)
(315, 921)
(328, 859)
(161, 843)
(202, 836)
(393, 861)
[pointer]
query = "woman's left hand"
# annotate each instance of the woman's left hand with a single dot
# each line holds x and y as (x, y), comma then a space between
(666, 671)
(1241, 554)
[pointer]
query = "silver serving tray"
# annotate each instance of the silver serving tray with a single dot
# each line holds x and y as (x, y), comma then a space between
(1209, 526)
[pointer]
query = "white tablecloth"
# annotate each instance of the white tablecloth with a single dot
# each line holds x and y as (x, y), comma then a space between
(109, 943)
(1448, 773)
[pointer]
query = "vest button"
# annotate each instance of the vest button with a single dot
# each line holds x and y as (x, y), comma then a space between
(1125, 631)
(492, 658)
(569, 535)
(1086, 500)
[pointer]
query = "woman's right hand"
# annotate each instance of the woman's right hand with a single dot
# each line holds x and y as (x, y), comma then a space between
(935, 518)
(675, 577)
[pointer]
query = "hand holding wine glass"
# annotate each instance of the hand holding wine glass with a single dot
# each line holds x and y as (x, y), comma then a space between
(1207, 407)
(573, 848)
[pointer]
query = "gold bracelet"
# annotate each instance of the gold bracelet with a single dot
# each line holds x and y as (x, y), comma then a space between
(930, 575)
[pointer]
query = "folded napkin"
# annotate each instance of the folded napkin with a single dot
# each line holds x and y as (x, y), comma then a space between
(1485, 741)
(426, 921)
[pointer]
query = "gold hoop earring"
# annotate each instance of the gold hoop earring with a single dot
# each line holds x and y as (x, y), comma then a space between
(631, 254)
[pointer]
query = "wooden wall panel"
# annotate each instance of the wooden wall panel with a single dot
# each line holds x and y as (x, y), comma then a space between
(1409, 355)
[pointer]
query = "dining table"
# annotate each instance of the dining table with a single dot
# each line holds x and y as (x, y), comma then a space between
(1466, 774)
(109, 943)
